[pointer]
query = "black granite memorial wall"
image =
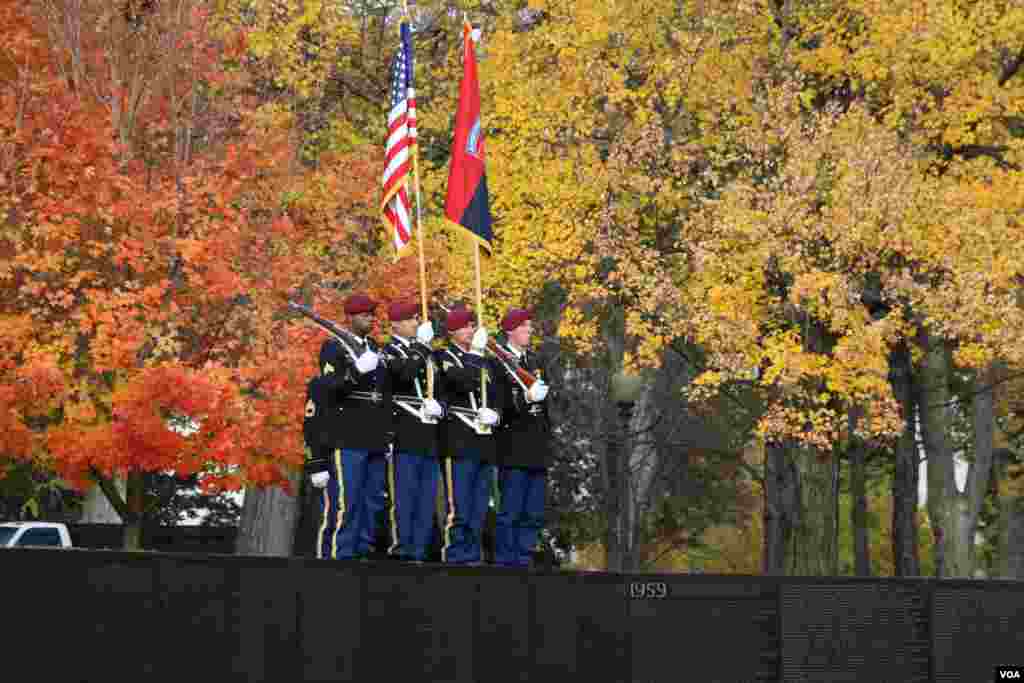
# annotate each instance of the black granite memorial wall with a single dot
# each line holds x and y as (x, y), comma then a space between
(98, 616)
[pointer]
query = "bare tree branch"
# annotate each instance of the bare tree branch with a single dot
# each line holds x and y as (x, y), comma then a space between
(1012, 68)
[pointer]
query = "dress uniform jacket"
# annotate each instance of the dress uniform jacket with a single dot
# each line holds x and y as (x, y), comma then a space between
(316, 430)
(361, 405)
(460, 388)
(524, 435)
(408, 364)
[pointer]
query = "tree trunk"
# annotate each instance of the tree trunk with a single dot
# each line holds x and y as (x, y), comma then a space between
(1009, 531)
(980, 471)
(269, 520)
(629, 502)
(97, 508)
(905, 558)
(135, 490)
(1011, 538)
(859, 511)
(810, 494)
(780, 510)
(621, 549)
(945, 506)
(615, 463)
(810, 549)
(613, 504)
(132, 535)
(643, 464)
(128, 504)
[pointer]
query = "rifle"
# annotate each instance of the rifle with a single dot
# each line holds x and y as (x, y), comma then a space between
(525, 377)
(346, 338)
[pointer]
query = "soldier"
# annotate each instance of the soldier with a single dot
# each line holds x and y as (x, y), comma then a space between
(354, 387)
(468, 448)
(317, 434)
(524, 446)
(413, 471)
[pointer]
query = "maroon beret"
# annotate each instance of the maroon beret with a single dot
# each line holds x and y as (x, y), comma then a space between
(359, 303)
(515, 317)
(402, 310)
(458, 318)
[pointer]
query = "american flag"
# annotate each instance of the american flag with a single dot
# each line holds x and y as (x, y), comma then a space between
(401, 144)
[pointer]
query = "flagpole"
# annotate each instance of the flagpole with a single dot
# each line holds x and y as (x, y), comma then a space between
(419, 229)
(468, 32)
(423, 266)
(480, 317)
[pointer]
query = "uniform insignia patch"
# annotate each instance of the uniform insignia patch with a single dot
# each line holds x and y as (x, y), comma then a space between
(328, 369)
(310, 408)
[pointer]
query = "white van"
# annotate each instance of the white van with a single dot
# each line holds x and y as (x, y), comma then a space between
(29, 534)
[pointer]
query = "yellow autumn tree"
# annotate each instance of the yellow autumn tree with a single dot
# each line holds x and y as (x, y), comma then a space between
(947, 78)
(794, 188)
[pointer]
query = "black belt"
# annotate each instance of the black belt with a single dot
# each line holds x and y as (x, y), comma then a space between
(468, 412)
(414, 405)
(372, 396)
(470, 418)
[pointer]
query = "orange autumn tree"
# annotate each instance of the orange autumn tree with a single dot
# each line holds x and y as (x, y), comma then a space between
(100, 260)
(30, 382)
(150, 254)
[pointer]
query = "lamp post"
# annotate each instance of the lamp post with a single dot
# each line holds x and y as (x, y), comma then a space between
(625, 390)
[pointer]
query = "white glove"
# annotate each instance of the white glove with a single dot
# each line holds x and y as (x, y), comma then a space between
(425, 333)
(537, 391)
(432, 408)
(479, 342)
(319, 479)
(487, 417)
(367, 362)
